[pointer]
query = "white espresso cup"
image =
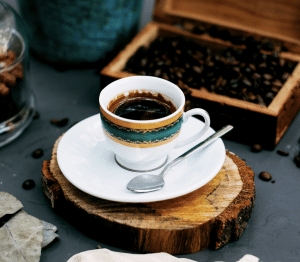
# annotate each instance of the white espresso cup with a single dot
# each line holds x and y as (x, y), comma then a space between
(143, 145)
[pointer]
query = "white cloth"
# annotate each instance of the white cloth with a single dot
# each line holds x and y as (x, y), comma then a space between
(106, 255)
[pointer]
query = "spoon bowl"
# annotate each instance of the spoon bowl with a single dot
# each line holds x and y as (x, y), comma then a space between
(147, 183)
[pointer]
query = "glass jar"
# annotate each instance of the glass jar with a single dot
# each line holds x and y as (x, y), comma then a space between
(79, 32)
(16, 98)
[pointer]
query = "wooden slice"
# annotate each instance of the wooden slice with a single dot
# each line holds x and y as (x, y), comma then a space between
(208, 217)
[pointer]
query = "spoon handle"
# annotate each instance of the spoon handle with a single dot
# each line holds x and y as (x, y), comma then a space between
(197, 147)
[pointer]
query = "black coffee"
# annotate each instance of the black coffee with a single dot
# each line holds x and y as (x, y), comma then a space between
(141, 106)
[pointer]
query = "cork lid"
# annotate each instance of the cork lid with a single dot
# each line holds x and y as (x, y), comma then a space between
(270, 18)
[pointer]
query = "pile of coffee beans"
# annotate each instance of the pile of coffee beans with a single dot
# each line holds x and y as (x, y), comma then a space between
(246, 74)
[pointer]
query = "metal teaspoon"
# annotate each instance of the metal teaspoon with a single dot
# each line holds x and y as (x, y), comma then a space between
(148, 183)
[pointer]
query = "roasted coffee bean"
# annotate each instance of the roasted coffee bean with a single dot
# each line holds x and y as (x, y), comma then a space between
(249, 41)
(198, 30)
(157, 72)
(265, 176)
(36, 115)
(282, 152)
(267, 46)
(256, 148)
(28, 184)
(237, 40)
(269, 96)
(266, 83)
(38, 153)
(285, 76)
(247, 82)
(273, 181)
(60, 122)
(297, 160)
(277, 83)
(256, 76)
(213, 31)
(268, 77)
(197, 69)
(224, 35)
(252, 66)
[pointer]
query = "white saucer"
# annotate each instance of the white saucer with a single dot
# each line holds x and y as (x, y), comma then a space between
(86, 161)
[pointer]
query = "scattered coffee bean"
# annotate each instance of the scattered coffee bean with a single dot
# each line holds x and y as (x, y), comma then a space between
(38, 153)
(273, 181)
(36, 115)
(265, 176)
(282, 152)
(99, 247)
(256, 148)
(297, 160)
(28, 184)
(60, 122)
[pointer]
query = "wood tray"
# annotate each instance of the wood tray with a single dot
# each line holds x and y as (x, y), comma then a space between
(279, 24)
(208, 217)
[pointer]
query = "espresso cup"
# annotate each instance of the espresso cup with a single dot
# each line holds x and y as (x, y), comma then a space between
(143, 145)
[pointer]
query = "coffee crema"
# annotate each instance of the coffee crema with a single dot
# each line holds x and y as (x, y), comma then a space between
(141, 106)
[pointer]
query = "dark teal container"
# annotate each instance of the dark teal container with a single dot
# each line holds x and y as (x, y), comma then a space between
(79, 32)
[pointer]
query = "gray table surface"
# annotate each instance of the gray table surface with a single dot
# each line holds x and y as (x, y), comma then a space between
(273, 231)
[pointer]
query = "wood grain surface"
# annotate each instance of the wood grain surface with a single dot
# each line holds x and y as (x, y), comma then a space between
(211, 216)
(271, 18)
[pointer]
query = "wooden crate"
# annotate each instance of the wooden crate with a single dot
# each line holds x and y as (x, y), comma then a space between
(276, 21)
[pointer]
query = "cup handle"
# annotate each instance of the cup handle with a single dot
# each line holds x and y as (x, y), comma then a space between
(186, 116)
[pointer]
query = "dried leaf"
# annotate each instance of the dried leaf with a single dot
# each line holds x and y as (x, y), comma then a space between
(8, 204)
(8, 249)
(48, 233)
(22, 238)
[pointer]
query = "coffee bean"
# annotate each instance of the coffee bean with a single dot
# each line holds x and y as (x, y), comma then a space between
(38, 153)
(60, 122)
(63, 122)
(237, 40)
(198, 30)
(224, 35)
(256, 76)
(213, 31)
(157, 72)
(197, 69)
(267, 46)
(285, 76)
(273, 181)
(265, 176)
(256, 148)
(268, 77)
(297, 160)
(247, 82)
(36, 115)
(282, 152)
(28, 184)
